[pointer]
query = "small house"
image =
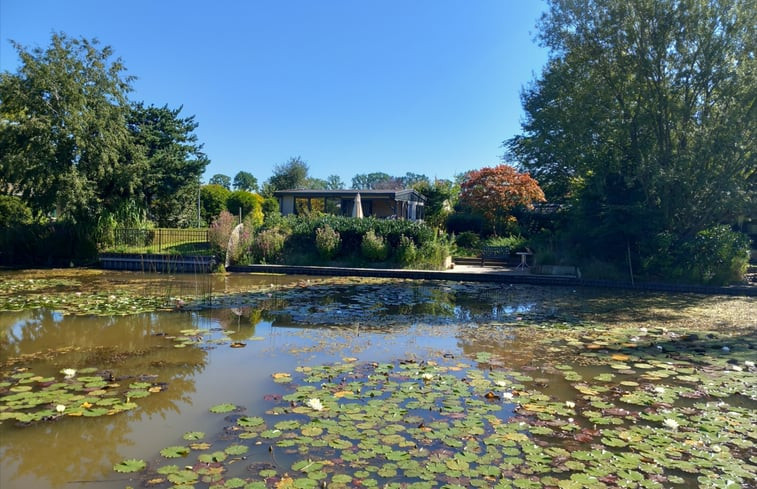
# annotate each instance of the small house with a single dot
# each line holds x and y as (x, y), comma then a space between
(382, 204)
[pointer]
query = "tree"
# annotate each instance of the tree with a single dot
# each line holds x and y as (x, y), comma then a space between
(412, 179)
(334, 182)
(496, 191)
(250, 205)
(440, 196)
(644, 117)
(175, 163)
(290, 175)
(64, 140)
(213, 199)
(221, 179)
(369, 181)
(245, 181)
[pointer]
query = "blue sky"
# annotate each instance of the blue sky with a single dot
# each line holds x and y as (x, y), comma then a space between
(359, 86)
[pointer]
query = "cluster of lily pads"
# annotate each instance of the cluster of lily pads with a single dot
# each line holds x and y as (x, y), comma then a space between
(28, 398)
(640, 412)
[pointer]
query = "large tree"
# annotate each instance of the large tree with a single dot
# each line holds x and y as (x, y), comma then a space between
(221, 179)
(645, 115)
(175, 163)
(64, 141)
(290, 175)
(496, 191)
(245, 181)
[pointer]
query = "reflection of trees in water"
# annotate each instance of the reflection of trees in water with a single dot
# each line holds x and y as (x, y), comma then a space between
(80, 448)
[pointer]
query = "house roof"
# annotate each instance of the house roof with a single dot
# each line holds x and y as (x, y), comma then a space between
(407, 194)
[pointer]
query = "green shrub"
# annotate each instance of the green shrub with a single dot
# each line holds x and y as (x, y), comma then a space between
(468, 239)
(714, 256)
(514, 242)
(13, 212)
(432, 254)
(268, 246)
(250, 204)
(373, 247)
(327, 242)
(406, 252)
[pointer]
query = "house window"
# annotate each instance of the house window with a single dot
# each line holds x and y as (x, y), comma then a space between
(301, 206)
(333, 205)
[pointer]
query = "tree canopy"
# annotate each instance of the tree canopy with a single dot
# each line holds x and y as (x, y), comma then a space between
(496, 191)
(64, 142)
(245, 181)
(221, 179)
(645, 115)
(290, 175)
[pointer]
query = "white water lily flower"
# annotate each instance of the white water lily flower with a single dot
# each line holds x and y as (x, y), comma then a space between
(671, 423)
(643, 330)
(507, 395)
(659, 390)
(749, 364)
(315, 404)
(69, 372)
(736, 368)
(716, 448)
(427, 376)
(60, 408)
(570, 404)
(501, 383)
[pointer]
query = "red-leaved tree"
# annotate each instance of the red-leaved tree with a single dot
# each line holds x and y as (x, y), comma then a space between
(495, 192)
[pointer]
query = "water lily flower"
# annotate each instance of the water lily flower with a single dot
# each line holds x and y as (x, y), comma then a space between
(111, 297)
(60, 408)
(507, 395)
(716, 448)
(671, 423)
(570, 404)
(427, 376)
(69, 372)
(315, 404)
(736, 368)
(643, 330)
(501, 383)
(659, 390)
(749, 364)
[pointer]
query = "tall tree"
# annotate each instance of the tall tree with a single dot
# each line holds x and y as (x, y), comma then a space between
(496, 191)
(245, 181)
(221, 179)
(290, 175)
(175, 163)
(334, 182)
(369, 181)
(645, 115)
(64, 141)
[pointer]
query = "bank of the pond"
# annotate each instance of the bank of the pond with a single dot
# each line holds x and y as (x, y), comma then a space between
(504, 275)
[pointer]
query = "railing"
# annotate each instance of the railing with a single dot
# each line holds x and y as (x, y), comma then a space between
(160, 240)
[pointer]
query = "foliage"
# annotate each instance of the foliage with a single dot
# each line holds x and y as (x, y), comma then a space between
(221, 179)
(270, 207)
(496, 191)
(245, 181)
(327, 242)
(714, 256)
(406, 252)
(462, 221)
(468, 239)
(643, 118)
(46, 244)
(290, 175)
(374, 247)
(213, 200)
(268, 245)
(370, 181)
(13, 212)
(220, 232)
(514, 242)
(441, 196)
(334, 182)
(175, 163)
(250, 204)
(64, 139)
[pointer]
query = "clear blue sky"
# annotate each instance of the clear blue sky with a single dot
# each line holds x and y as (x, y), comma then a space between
(358, 86)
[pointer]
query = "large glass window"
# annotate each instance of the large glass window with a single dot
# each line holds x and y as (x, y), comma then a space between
(333, 205)
(301, 206)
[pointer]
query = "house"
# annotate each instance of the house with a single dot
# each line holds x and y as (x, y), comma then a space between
(386, 204)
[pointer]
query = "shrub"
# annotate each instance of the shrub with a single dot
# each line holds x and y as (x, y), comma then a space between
(13, 212)
(268, 245)
(213, 198)
(514, 242)
(219, 233)
(468, 239)
(373, 247)
(406, 251)
(250, 204)
(327, 242)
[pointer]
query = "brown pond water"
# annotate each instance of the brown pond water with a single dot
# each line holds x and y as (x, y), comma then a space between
(281, 323)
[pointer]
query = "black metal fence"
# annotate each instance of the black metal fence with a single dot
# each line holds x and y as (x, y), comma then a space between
(160, 240)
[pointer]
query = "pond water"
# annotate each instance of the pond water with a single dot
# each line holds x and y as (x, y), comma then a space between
(113, 380)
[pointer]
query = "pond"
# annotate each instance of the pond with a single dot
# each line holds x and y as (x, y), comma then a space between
(114, 380)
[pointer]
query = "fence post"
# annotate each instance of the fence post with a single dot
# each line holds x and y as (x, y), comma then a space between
(160, 240)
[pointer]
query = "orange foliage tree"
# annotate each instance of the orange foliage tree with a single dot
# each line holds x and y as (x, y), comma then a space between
(495, 192)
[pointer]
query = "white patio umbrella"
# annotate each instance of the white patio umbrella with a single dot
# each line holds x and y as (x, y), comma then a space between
(357, 209)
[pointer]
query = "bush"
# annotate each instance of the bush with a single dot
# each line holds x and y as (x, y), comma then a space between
(250, 204)
(373, 247)
(213, 199)
(13, 212)
(406, 251)
(327, 242)
(268, 245)
(468, 239)
(220, 232)
(714, 256)
(515, 242)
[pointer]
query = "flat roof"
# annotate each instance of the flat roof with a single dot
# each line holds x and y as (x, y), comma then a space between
(403, 194)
